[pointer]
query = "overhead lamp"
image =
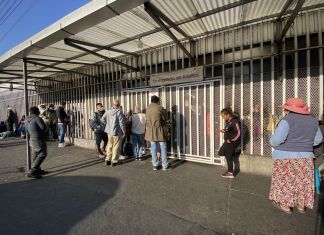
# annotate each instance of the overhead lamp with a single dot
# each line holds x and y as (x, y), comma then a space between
(140, 44)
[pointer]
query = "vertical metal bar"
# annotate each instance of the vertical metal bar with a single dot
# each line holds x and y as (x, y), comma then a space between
(295, 62)
(197, 120)
(233, 69)
(272, 75)
(319, 18)
(26, 112)
(212, 130)
(261, 85)
(308, 62)
(190, 123)
(251, 85)
(242, 87)
(205, 124)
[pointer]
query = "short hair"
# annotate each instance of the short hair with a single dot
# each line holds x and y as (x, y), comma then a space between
(155, 99)
(97, 104)
(34, 110)
(63, 103)
(51, 105)
(116, 103)
(227, 111)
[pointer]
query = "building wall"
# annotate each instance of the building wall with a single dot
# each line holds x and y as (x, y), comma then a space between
(244, 58)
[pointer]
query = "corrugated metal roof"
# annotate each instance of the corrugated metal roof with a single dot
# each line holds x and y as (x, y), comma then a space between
(127, 20)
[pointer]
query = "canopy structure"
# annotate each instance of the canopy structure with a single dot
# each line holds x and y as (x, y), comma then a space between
(111, 29)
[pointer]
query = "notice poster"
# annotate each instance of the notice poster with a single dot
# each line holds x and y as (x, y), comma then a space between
(180, 76)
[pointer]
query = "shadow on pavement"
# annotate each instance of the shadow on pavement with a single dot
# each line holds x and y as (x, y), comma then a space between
(52, 205)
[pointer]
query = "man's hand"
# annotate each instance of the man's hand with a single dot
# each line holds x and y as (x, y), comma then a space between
(223, 130)
(228, 141)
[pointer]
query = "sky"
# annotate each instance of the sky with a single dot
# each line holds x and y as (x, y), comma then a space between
(21, 19)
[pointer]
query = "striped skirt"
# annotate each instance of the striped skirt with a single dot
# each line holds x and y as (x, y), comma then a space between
(293, 182)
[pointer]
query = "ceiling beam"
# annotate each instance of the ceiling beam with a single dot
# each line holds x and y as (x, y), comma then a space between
(57, 61)
(158, 19)
(14, 88)
(100, 46)
(67, 42)
(290, 20)
(54, 67)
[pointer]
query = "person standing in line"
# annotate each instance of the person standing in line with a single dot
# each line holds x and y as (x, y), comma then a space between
(292, 183)
(36, 130)
(114, 122)
(232, 136)
(138, 121)
(53, 121)
(10, 119)
(62, 119)
(156, 119)
(99, 129)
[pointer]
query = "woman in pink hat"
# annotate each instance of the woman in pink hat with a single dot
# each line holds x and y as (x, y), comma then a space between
(292, 183)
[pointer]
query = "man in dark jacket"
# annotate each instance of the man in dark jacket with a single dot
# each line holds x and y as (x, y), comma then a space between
(99, 129)
(62, 120)
(36, 130)
(10, 119)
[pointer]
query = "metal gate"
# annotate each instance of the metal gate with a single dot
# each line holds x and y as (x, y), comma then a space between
(194, 118)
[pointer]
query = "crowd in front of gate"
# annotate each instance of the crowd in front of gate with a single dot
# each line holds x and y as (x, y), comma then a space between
(118, 136)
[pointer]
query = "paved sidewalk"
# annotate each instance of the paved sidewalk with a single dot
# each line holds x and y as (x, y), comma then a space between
(82, 196)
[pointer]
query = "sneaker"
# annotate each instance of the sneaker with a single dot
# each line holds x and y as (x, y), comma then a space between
(155, 168)
(34, 176)
(136, 158)
(166, 169)
(43, 172)
(140, 159)
(107, 163)
(113, 164)
(61, 145)
(228, 175)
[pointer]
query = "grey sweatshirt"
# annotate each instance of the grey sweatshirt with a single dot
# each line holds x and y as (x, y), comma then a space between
(114, 121)
(35, 127)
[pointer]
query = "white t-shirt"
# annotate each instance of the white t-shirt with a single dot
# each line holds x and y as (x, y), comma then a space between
(138, 123)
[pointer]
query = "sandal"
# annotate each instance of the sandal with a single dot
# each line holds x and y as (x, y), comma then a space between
(301, 210)
(277, 205)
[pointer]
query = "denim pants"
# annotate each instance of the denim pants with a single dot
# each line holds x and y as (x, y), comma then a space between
(39, 153)
(61, 128)
(164, 156)
(138, 144)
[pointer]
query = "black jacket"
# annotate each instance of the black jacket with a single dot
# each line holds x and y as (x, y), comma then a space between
(233, 130)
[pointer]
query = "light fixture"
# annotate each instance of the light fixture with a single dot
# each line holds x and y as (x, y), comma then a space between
(140, 43)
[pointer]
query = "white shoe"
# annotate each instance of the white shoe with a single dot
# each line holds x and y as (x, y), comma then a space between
(121, 157)
(61, 145)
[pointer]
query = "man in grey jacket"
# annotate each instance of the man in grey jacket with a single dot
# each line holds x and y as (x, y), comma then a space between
(114, 122)
(36, 130)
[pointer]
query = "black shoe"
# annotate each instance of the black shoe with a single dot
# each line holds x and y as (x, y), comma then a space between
(140, 159)
(107, 163)
(34, 176)
(113, 164)
(42, 172)
(155, 168)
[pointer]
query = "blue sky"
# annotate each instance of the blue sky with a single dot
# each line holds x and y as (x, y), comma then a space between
(30, 17)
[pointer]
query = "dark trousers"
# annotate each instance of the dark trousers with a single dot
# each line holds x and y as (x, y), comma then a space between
(53, 129)
(101, 136)
(39, 153)
(232, 157)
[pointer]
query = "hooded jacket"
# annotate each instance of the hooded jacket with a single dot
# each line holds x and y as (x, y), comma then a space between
(233, 130)
(35, 127)
(114, 122)
(95, 121)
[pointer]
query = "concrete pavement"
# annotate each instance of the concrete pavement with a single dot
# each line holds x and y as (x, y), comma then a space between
(82, 196)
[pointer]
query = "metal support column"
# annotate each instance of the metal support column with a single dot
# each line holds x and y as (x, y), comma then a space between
(26, 112)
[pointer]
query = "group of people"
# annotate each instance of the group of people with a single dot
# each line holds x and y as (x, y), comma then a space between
(293, 140)
(12, 127)
(112, 130)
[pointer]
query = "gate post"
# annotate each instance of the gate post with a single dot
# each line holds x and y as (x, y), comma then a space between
(26, 112)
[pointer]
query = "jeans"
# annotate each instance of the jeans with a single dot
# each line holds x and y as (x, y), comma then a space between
(39, 153)
(138, 144)
(164, 156)
(61, 128)
(101, 136)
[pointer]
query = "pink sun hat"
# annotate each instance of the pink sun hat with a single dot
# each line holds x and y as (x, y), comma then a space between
(296, 105)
